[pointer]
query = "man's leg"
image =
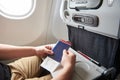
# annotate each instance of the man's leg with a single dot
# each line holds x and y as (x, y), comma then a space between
(27, 68)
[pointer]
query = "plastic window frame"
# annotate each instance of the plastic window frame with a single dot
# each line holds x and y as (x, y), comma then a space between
(24, 16)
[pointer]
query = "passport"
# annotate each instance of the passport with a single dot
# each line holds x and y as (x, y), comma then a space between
(52, 62)
(58, 49)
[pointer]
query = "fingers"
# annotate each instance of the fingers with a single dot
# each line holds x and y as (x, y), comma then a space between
(48, 47)
(65, 52)
(43, 51)
(69, 53)
(72, 54)
(68, 59)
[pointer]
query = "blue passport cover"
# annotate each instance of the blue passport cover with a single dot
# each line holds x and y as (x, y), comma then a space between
(58, 49)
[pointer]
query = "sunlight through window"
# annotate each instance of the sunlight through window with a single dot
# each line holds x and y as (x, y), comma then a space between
(17, 9)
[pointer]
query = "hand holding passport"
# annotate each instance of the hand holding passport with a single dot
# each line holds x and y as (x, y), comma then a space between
(58, 49)
(52, 62)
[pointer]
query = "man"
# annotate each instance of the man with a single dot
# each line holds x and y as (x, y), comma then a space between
(28, 68)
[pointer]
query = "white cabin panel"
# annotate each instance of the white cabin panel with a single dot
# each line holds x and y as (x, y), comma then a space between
(29, 31)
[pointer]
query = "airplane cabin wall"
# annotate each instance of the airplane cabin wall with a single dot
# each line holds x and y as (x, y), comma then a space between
(34, 30)
(56, 27)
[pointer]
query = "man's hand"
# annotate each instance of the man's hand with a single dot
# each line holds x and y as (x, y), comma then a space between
(43, 51)
(68, 63)
(68, 59)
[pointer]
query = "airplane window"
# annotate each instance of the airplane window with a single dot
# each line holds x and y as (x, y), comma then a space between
(17, 9)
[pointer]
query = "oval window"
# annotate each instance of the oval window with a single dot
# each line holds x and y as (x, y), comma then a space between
(17, 9)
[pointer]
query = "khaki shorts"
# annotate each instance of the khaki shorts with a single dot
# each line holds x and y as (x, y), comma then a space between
(28, 68)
